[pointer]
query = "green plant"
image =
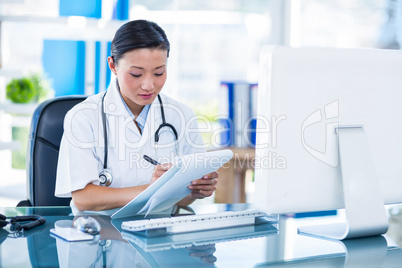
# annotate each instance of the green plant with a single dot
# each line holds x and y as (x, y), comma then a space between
(33, 88)
(41, 85)
(20, 90)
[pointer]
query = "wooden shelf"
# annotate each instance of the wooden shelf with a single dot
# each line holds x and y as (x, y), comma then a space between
(231, 180)
(13, 146)
(18, 108)
(10, 73)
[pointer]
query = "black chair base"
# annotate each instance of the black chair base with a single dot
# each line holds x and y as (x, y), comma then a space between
(24, 203)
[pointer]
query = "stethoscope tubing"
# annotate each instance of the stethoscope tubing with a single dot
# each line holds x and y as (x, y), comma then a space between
(157, 134)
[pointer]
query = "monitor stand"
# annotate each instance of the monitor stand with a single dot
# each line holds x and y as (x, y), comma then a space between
(364, 205)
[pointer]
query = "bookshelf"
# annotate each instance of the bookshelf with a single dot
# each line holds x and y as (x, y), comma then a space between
(232, 176)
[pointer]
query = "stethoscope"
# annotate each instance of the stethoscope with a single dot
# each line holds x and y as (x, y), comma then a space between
(105, 177)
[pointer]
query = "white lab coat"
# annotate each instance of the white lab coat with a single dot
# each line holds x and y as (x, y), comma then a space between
(81, 156)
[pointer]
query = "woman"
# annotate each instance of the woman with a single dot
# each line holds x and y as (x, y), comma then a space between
(110, 132)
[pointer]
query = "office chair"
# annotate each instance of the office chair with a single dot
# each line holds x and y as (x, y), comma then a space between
(43, 151)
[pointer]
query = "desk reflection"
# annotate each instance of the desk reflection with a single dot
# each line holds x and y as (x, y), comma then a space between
(111, 250)
(125, 249)
(114, 253)
(359, 252)
(247, 246)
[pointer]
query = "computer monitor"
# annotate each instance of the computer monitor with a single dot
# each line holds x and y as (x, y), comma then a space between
(329, 135)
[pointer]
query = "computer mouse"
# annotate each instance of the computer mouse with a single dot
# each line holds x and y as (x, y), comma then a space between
(87, 225)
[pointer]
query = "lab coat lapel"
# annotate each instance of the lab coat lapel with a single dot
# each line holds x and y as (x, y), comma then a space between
(114, 106)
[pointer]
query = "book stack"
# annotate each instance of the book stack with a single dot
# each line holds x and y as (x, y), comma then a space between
(238, 111)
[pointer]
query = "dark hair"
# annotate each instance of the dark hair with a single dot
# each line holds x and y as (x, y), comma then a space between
(138, 34)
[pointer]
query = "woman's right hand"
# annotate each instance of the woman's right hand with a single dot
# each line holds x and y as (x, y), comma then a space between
(159, 170)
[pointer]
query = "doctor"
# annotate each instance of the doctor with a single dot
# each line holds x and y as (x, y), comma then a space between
(101, 164)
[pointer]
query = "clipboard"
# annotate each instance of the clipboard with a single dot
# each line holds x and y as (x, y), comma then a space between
(161, 196)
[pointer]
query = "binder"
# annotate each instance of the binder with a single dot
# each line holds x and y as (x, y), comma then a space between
(236, 110)
(254, 113)
(241, 114)
(226, 115)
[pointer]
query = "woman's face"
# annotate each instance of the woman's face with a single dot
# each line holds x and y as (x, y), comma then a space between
(141, 74)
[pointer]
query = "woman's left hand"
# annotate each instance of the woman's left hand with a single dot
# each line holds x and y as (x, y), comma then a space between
(205, 186)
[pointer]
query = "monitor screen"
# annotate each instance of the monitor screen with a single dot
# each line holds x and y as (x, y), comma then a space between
(304, 94)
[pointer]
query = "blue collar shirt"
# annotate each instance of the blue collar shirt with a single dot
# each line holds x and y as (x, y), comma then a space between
(141, 118)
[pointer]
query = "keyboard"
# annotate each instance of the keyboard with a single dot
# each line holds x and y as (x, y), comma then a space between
(201, 238)
(191, 223)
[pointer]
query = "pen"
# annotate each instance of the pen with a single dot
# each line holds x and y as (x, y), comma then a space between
(150, 160)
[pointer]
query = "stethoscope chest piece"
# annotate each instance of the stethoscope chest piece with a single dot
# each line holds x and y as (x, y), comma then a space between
(105, 178)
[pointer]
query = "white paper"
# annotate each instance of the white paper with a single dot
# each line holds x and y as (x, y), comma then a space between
(171, 187)
(192, 167)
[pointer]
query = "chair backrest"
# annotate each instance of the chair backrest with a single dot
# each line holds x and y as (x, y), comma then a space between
(43, 150)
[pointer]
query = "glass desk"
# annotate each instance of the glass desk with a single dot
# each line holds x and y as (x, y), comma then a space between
(249, 246)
